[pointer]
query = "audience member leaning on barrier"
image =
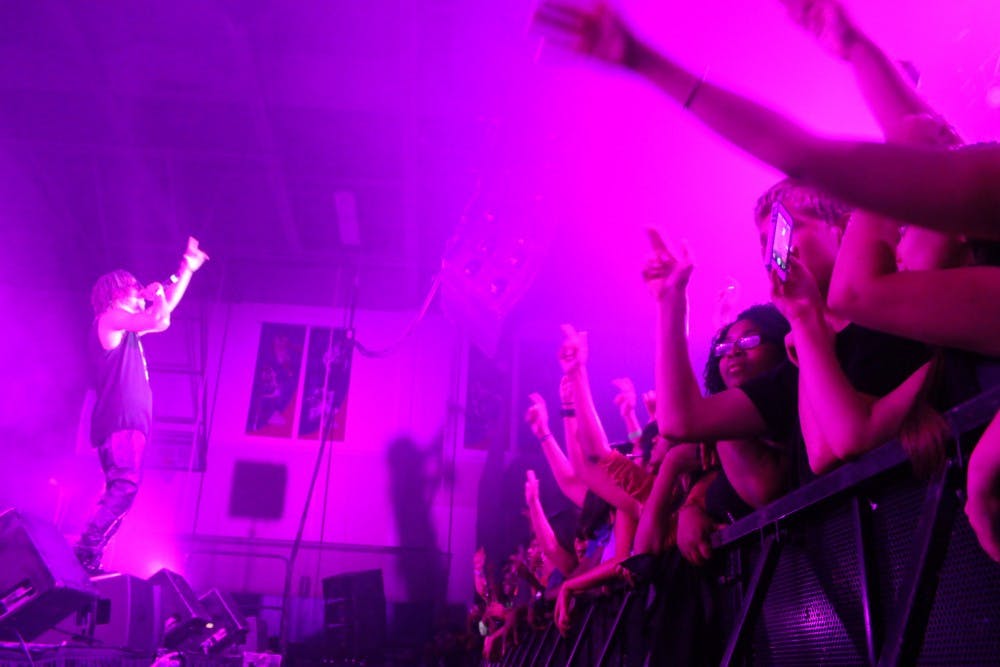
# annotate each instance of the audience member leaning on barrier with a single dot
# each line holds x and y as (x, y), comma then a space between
(937, 287)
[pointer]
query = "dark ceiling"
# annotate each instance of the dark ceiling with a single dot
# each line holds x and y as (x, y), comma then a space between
(310, 146)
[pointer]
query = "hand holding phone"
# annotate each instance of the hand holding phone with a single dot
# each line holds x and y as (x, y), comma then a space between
(779, 245)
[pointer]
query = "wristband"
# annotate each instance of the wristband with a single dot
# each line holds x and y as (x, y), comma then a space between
(567, 412)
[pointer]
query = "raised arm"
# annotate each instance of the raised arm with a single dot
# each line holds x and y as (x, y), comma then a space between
(654, 523)
(682, 413)
(194, 257)
(563, 560)
(590, 433)
(588, 437)
(625, 401)
(889, 93)
(566, 478)
(115, 321)
(849, 421)
(948, 190)
(694, 525)
(867, 289)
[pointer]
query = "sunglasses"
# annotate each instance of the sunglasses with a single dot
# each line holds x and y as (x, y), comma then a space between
(730, 346)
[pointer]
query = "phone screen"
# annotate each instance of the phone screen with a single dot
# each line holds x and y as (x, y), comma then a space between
(781, 241)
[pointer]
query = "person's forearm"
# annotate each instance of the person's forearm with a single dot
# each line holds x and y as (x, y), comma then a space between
(889, 94)
(624, 532)
(590, 435)
(843, 415)
(562, 470)
(160, 311)
(983, 504)
(867, 253)
(607, 572)
(573, 451)
(175, 290)
(749, 125)
(559, 557)
(939, 189)
(632, 426)
(677, 391)
(651, 533)
(699, 492)
(819, 455)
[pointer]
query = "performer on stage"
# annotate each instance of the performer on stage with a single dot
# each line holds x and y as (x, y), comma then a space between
(124, 310)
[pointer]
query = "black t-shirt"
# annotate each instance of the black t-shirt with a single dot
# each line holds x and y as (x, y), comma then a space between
(875, 363)
(124, 399)
(965, 375)
(722, 502)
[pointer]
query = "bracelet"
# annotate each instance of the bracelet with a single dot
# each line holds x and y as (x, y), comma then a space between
(567, 412)
(694, 92)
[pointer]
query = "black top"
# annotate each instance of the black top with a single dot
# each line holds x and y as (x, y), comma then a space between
(875, 363)
(124, 399)
(965, 375)
(722, 502)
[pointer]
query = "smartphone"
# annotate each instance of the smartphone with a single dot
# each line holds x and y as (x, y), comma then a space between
(780, 242)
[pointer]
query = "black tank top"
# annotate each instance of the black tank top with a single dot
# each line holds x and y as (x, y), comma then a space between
(124, 399)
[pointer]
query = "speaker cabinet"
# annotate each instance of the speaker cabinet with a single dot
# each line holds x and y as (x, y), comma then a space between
(354, 614)
(41, 581)
(179, 615)
(124, 614)
(228, 627)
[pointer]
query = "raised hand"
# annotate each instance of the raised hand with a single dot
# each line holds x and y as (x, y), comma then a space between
(566, 395)
(194, 256)
(828, 22)
(538, 416)
(573, 350)
(799, 295)
(694, 527)
(625, 400)
(649, 400)
(531, 488)
(152, 291)
(669, 269)
(562, 613)
(479, 559)
(599, 32)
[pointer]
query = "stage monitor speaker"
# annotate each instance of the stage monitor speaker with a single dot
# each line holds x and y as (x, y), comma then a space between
(41, 581)
(121, 617)
(179, 614)
(354, 614)
(228, 627)
(124, 614)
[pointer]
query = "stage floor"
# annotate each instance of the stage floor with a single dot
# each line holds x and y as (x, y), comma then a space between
(81, 656)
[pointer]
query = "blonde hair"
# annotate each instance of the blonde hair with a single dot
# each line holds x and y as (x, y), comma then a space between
(806, 198)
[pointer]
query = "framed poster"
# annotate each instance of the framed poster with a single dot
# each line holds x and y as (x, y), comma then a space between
(329, 356)
(276, 380)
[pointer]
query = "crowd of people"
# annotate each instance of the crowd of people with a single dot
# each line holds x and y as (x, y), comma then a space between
(885, 318)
